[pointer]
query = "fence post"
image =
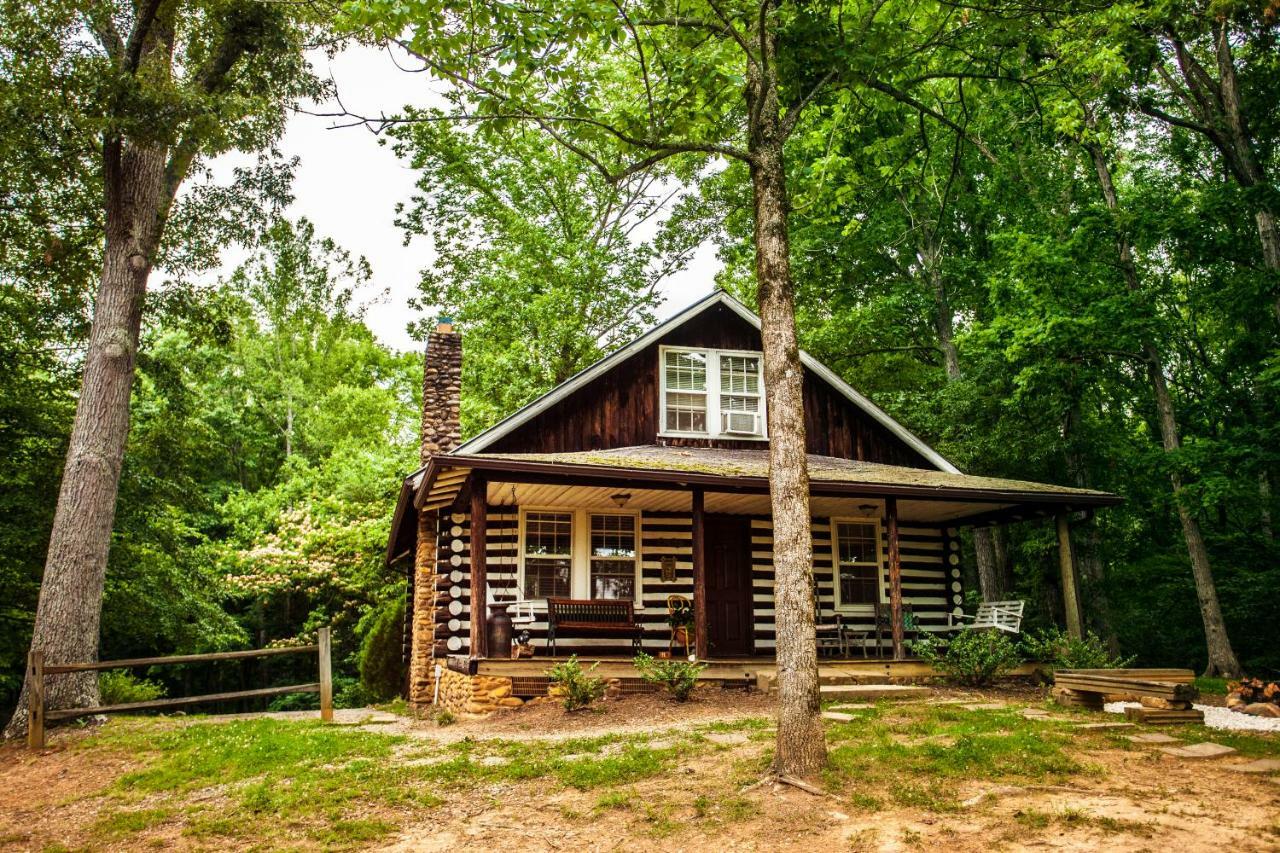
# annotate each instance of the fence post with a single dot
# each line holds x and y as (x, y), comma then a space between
(326, 678)
(35, 699)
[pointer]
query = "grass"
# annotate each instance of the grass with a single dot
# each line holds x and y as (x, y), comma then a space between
(302, 784)
(919, 754)
(1211, 686)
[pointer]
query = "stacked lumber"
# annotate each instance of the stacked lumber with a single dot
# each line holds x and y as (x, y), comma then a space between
(1166, 694)
(1077, 698)
(1164, 716)
(1092, 681)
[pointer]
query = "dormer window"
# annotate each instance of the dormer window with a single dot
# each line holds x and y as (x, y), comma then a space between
(712, 393)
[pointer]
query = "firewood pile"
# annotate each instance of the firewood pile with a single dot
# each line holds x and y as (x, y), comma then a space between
(1254, 696)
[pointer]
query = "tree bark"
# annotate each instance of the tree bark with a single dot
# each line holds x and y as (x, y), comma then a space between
(70, 605)
(1222, 658)
(801, 744)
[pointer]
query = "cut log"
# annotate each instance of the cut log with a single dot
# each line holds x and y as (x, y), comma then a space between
(1164, 704)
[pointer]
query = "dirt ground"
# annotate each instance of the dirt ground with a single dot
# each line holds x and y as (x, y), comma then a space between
(1130, 799)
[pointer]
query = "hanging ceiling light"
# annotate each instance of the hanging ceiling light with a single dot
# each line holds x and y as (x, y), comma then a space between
(621, 499)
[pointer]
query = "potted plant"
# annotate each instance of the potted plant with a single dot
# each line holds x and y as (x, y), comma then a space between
(681, 622)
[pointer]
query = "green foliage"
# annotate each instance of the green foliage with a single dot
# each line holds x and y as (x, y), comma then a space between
(118, 686)
(973, 658)
(679, 677)
(579, 687)
(1053, 646)
(381, 659)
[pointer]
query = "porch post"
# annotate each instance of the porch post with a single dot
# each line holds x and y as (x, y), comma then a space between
(699, 578)
(479, 567)
(1066, 564)
(895, 575)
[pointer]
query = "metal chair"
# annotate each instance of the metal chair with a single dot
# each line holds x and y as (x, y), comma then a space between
(680, 618)
(828, 635)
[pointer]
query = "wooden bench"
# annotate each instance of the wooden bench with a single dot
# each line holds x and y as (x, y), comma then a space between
(1168, 692)
(591, 617)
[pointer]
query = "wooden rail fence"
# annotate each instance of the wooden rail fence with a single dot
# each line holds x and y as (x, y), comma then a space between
(37, 670)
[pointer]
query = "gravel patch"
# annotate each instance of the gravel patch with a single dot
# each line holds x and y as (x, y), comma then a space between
(1216, 718)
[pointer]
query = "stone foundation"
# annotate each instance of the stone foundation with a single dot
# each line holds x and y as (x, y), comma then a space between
(476, 694)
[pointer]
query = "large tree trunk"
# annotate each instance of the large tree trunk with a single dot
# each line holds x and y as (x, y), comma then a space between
(70, 605)
(801, 744)
(1222, 658)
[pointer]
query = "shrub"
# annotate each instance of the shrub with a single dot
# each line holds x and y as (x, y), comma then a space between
(579, 687)
(678, 676)
(1055, 647)
(974, 658)
(118, 687)
(381, 661)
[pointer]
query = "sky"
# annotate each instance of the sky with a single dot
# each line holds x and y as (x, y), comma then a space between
(348, 185)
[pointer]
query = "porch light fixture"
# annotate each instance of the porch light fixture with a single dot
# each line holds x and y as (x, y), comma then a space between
(621, 499)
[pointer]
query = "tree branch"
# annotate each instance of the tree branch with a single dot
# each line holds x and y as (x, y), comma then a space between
(792, 115)
(138, 37)
(903, 97)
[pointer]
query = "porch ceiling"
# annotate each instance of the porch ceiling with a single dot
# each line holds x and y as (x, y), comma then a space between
(671, 500)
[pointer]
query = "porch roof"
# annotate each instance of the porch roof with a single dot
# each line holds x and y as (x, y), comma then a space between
(956, 498)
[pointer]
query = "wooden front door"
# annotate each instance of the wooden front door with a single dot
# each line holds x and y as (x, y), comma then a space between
(728, 568)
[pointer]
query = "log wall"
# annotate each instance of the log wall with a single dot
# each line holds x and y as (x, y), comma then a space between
(931, 580)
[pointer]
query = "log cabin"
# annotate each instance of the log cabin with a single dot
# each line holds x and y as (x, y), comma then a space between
(641, 484)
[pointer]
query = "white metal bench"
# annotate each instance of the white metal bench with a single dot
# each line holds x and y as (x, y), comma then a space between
(993, 615)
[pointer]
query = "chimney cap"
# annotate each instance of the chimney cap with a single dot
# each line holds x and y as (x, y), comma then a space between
(444, 324)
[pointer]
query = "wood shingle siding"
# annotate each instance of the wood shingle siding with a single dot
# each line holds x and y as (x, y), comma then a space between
(621, 408)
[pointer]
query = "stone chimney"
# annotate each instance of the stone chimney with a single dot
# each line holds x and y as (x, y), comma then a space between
(441, 390)
(441, 433)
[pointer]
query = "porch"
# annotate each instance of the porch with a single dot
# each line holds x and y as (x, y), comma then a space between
(701, 529)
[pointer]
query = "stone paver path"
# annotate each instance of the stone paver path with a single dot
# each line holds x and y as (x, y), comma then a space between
(986, 706)
(1153, 737)
(838, 716)
(1262, 765)
(1102, 727)
(727, 738)
(1198, 750)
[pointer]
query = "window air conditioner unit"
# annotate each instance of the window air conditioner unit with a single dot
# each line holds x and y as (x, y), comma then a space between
(741, 423)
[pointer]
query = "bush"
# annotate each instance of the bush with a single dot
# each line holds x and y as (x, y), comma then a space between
(118, 687)
(974, 658)
(678, 676)
(1054, 647)
(381, 659)
(579, 688)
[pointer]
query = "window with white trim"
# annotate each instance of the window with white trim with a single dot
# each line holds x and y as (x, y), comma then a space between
(708, 392)
(579, 553)
(548, 555)
(857, 559)
(612, 561)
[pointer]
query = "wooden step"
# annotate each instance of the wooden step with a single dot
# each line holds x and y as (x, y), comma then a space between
(865, 692)
(1163, 716)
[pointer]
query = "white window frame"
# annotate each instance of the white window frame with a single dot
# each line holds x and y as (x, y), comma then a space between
(580, 551)
(835, 522)
(715, 410)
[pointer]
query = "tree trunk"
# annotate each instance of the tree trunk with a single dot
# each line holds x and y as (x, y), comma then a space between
(990, 574)
(1222, 658)
(70, 604)
(1096, 606)
(801, 744)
